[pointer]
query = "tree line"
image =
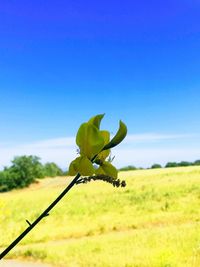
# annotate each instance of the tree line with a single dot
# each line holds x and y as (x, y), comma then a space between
(24, 170)
(167, 165)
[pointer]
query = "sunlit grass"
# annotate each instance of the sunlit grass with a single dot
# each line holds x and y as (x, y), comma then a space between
(154, 221)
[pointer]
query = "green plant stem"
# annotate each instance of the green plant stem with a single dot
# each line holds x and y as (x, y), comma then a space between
(43, 215)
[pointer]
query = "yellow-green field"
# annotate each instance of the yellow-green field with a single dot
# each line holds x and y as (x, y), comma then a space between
(153, 222)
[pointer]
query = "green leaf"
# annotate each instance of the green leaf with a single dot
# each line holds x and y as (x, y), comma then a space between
(89, 140)
(100, 171)
(104, 154)
(120, 135)
(96, 120)
(86, 167)
(73, 167)
(106, 136)
(81, 165)
(108, 169)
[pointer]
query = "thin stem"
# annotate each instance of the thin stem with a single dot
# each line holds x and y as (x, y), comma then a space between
(44, 214)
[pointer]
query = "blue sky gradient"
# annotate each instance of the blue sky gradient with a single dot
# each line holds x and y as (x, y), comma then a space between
(62, 62)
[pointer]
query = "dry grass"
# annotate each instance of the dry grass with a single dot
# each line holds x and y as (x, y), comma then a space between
(154, 221)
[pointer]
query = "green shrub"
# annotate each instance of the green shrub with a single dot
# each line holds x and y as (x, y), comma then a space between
(171, 164)
(23, 171)
(156, 166)
(197, 162)
(128, 168)
(184, 164)
(52, 170)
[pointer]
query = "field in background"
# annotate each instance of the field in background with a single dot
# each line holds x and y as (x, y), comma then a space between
(153, 222)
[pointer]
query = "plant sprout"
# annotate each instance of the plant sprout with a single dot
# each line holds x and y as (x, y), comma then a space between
(94, 149)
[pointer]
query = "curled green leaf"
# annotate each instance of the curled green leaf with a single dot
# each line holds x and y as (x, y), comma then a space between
(118, 138)
(96, 120)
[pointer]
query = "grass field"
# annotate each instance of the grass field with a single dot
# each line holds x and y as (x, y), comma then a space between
(153, 222)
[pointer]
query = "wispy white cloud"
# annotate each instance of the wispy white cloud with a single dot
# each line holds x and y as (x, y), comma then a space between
(62, 142)
(154, 137)
(59, 150)
(63, 150)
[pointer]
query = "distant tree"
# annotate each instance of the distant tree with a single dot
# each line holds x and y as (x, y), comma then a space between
(197, 162)
(5, 183)
(184, 164)
(29, 167)
(171, 164)
(128, 168)
(52, 170)
(156, 166)
(23, 171)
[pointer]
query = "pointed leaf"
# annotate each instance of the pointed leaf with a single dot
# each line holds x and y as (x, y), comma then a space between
(120, 135)
(73, 167)
(89, 140)
(107, 169)
(96, 120)
(104, 154)
(85, 167)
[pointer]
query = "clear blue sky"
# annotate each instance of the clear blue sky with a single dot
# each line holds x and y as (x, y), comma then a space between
(63, 61)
